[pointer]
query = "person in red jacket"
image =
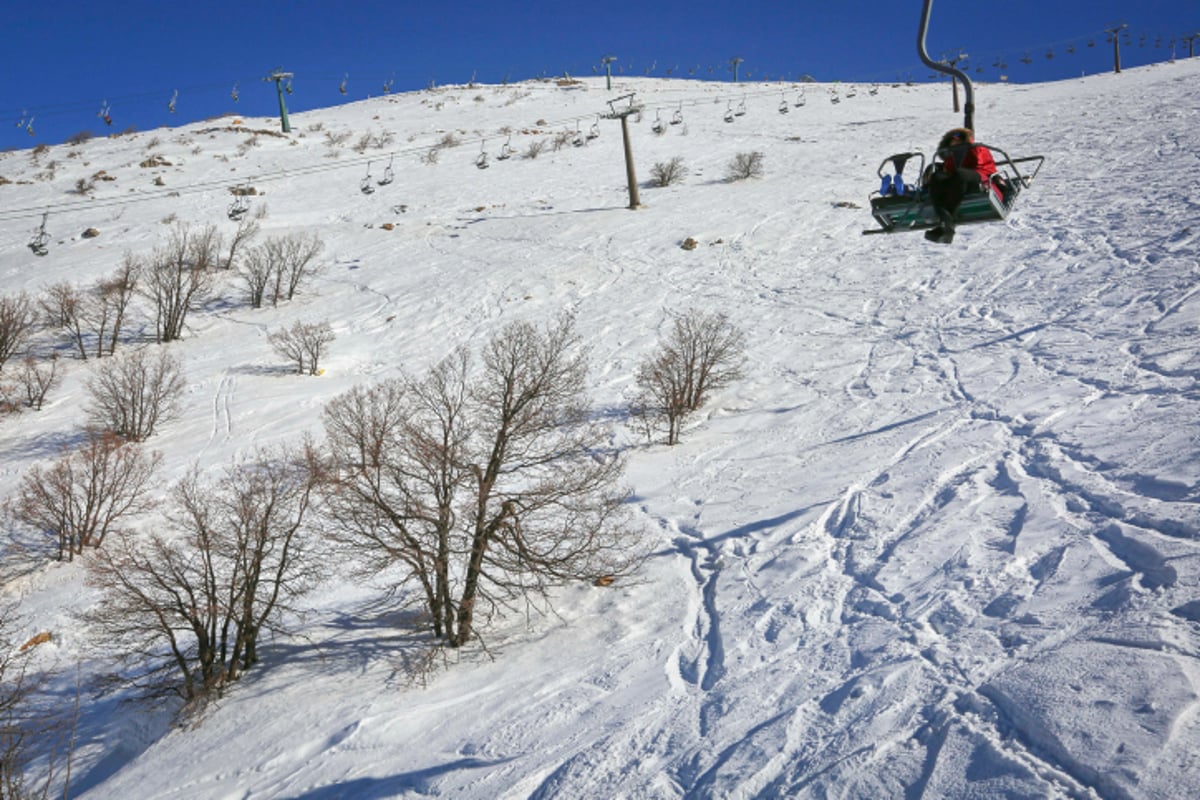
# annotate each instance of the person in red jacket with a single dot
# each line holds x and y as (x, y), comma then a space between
(966, 167)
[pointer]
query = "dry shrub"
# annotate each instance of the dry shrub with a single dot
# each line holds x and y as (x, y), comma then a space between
(666, 173)
(745, 165)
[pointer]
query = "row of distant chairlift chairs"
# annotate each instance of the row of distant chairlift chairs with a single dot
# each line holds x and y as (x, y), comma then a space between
(241, 205)
(580, 139)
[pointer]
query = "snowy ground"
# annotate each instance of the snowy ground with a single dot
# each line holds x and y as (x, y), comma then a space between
(941, 541)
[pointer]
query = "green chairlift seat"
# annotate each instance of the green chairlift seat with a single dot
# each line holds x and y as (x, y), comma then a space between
(910, 209)
(898, 206)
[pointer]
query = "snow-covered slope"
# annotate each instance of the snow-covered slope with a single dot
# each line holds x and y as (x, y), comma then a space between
(941, 540)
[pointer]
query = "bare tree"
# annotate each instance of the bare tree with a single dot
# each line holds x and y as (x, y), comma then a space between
(178, 277)
(702, 354)
(292, 259)
(257, 272)
(247, 229)
(135, 391)
(398, 457)
(37, 378)
(28, 724)
(63, 304)
(186, 611)
(276, 269)
(37, 735)
(94, 313)
(85, 494)
(303, 344)
(113, 297)
(745, 165)
(15, 729)
(489, 484)
(17, 323)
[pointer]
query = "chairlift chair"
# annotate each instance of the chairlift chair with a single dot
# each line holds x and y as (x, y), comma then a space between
(506, 150)
(389, 174)
(783, 106)
(729, 115)
(594, 131)
(40, 238)
(677, 117)
(365, 185)
(658, 126)
(579, 140)
(801, 99)
(482, 160)
(741, 109)
(239, 206)
(899, 206)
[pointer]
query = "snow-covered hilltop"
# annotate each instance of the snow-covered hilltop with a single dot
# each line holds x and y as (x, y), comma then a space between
(941, 540)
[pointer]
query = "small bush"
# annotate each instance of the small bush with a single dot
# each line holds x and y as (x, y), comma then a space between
(80, 138)
(666, 173)
(535, 148)
(745, 165)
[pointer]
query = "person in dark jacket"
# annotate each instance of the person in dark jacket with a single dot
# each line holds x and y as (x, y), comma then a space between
(966, 167)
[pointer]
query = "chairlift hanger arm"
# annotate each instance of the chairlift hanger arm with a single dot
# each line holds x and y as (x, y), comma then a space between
(946, 69)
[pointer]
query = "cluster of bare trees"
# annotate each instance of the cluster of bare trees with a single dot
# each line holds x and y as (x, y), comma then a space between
(185, 606)
(93, 317)
(487, 480)
(303, 344)
(179, 276)
(175, 280)
(275, 270)
(488, 483)
(84, 495)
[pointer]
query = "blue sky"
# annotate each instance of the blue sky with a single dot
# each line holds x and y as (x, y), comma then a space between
(64, 60)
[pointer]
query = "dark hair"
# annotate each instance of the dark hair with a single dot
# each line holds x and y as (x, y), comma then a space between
(965, 133)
